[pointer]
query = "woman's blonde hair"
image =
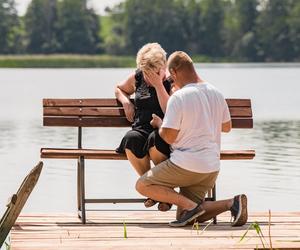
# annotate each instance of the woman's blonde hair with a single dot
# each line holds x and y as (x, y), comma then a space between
(151, 56)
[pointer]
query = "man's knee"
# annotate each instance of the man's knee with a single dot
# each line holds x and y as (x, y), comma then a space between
(140, 185)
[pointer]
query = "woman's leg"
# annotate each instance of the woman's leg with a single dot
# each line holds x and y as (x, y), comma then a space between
(133, 146)
(158, 149)
(141, 165)
(156, 156)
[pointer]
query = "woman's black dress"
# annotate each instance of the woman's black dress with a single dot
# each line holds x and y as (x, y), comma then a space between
(143, 136)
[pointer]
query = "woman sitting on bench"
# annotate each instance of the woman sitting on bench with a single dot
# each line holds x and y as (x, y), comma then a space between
(143, 143)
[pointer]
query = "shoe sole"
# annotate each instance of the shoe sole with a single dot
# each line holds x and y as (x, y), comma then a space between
(164, 207)
(242, 216)
(152, 203)
(183, 224)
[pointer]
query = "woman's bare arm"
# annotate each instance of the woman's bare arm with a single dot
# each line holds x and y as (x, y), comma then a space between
(123, 91)
(157, 82)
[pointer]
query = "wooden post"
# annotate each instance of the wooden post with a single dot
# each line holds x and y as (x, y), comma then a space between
(17, 202)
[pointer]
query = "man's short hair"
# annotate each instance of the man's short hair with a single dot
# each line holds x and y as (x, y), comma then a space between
(180, 60)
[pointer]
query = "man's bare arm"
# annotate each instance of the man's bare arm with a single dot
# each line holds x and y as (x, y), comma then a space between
(169, 135)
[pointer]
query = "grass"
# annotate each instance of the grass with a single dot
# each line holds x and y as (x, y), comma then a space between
(6, 244)
(196, 226)
(125, 230)
(66, 61)
(80, 61)
(264, 241)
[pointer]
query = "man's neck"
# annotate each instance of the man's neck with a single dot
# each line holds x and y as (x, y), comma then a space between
(193, 78)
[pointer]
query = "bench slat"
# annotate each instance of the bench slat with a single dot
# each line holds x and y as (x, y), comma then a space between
(85, 111)
(238, 102)
(86, 102)
(241, 122)
(237, 122)
(112, 102)
(87, 121)
(240, 111)
(112, 155)
(119, 112)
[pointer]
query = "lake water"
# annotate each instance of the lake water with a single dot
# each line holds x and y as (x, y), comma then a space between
(271, 180)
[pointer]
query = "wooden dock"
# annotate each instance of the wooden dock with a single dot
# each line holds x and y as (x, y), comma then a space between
(148, 230)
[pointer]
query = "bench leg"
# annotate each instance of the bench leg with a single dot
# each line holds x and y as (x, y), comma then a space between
(214, 198)
(78, 187)
(81, 190)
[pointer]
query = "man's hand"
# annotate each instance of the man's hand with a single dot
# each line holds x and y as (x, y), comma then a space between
(129, 110)
(156, 121)
(154, 78)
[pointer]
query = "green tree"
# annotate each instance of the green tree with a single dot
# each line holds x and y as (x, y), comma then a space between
(239, 29)
(273, 34)
(192, 22)
(294, 28)
(79, 27)
(143, 21)
(115, 35)
(9, 27)
(41, 23)
(212, 23)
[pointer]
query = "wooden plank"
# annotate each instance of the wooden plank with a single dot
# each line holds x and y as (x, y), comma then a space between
(85, 111)
(237, 122)
(240, 112)
(112, 102)
(85, 102)
(241, 122)
(119, 112)
(18, 201)
(238, 102)
(56, 153)
(87, 121)
(147, 229)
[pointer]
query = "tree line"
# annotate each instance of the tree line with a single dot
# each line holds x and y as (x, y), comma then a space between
(240, 30)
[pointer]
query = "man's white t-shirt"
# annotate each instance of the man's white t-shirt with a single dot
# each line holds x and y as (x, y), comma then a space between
(197, 111)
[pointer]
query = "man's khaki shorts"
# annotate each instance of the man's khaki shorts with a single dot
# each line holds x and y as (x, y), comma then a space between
(192, 185)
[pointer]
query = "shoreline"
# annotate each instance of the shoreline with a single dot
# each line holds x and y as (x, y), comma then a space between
(110, 61)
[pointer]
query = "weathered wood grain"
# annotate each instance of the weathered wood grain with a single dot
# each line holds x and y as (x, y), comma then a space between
(148, 230)
(112, 155)
(112, 102)
(18, 201)
(119, 111)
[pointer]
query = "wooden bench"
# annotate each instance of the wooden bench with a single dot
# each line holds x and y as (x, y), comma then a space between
(110, 113)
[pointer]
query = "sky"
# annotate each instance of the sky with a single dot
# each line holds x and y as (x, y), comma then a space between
(99, 5)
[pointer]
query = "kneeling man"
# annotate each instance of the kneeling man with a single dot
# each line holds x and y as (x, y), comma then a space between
(196, 115)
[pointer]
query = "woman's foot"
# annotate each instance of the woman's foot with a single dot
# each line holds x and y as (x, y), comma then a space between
(149, 202)
(163, 206)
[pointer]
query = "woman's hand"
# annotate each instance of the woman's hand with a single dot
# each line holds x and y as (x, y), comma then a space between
(156, 121)
(155, 78)
(129, 110)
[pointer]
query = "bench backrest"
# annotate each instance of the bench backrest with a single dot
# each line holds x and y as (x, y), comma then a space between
(110, 113)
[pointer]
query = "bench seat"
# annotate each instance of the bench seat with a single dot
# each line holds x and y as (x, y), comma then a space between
(64, 153)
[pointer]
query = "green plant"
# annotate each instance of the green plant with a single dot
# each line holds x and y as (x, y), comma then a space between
(7, 246)
(196, 226)
(255, 226)
(125, 230)
(7, 243)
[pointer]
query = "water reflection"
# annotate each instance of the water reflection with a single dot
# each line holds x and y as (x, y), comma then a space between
(272, 176)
